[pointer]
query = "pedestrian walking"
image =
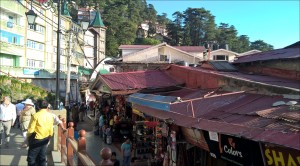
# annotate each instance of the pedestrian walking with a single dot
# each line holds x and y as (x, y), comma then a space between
(82, 111)
(101, 123)
(7, 119)
(61, 104)
(25, 118)
(39, 133)
(126, 152)
(19, 107)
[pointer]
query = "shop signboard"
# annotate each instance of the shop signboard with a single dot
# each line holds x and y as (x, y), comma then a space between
(31, 72)
(195, 137)
(105, 89)
(276, 155)
(233, 149)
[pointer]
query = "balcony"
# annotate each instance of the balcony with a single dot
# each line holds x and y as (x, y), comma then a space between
(12, 6)
(11, 49)
(10, 27)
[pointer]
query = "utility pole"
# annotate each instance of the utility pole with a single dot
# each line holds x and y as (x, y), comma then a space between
(57, 91)
(69, 61)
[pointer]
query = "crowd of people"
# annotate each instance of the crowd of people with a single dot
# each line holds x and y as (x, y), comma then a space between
(36, 122)
(36, 127)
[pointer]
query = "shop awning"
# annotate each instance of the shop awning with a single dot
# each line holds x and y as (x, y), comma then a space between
(178, 119)
(103, 71)
(153, 101)
(85, 71)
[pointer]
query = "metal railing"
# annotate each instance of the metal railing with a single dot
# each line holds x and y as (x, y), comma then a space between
(74, 152)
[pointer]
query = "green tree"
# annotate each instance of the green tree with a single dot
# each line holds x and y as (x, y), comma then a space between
(227, 35)
(175, 29)
(163, 20)
(146, 41)
(261, 45)
(199, 26)
(243, 44)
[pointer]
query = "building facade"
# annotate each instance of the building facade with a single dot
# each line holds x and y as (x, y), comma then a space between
(29, 52)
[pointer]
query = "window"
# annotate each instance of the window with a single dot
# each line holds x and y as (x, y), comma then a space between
(35, 63)
(37, 28)
(53, 65)
(221, 57)
(62, 67)
(10, 22)
(6, 61)
(35, 45)
(111, 69)
(163, 58)
(15, 40)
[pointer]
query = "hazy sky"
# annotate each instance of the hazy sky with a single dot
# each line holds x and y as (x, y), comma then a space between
(275, 22)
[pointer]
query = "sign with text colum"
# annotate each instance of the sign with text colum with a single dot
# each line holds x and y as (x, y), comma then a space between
(276, 155)
(235, 150)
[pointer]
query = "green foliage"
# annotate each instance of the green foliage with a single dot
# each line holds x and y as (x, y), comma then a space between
(19, 90)
(261, 45)
(4, 80)
(193, 27)
(5, 91)
(146, 41)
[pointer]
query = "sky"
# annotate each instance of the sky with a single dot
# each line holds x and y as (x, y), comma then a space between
(273, 21)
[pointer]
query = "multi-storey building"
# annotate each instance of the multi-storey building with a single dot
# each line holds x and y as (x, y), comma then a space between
(30, 51)
(12, 34)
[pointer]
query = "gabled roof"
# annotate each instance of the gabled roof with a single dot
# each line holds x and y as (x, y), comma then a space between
(64, 9)
(133, 47)
(218, 50)
(249, 52)
(161, 45)
(295, 45)
(199, 49)
(289, 53)
(137, 80)
(97, 22)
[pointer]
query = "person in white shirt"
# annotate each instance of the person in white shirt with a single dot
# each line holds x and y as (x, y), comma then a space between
(7, 119)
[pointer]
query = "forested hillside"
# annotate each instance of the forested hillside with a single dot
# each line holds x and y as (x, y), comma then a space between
(193, 27)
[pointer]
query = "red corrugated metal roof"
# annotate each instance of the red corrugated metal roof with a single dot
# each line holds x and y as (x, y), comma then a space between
(245, 115)
(269, 80)
(288, 53)
(138, 80)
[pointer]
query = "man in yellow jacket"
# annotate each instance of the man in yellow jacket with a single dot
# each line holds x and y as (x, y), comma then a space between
(39, 133)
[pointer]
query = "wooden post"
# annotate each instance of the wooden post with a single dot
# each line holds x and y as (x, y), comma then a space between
(63, 142)
(105, 154)
(69, 146)
(81, 144)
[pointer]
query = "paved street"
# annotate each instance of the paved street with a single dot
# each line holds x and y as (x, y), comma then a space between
(13, 155)
(95, 143)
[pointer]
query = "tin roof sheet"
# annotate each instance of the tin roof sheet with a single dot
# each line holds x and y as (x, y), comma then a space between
(251, 116)
(262, 79)
(138, 80)
(222, 66)
(288, 53)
